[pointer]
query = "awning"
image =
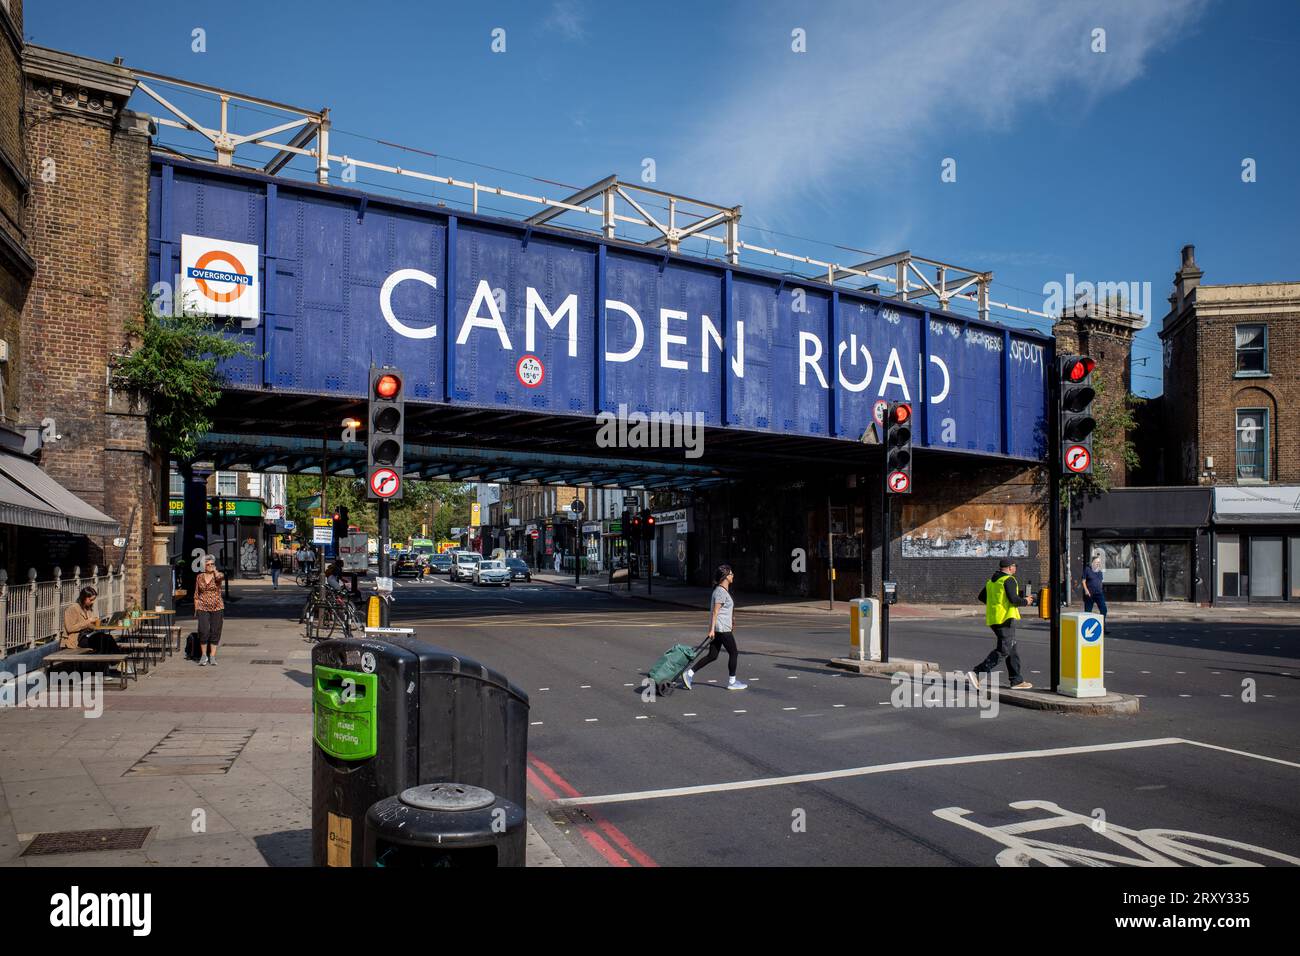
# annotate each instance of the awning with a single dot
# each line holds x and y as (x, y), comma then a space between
(1257, 504)
(31, 498)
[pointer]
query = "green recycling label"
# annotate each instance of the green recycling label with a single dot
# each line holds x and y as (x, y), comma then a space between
(344, 713)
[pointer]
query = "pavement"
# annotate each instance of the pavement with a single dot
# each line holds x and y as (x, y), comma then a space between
(808, 766)
(237, 736)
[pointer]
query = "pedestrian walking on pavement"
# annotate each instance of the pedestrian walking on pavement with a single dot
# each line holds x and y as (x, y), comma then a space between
(1093, 590)
(557, 562)
(720, 630)
(276, 565)
(209, 608)
(1002, 603)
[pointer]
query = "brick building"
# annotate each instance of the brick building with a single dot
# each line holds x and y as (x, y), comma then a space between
(1221, 522)
(88, 162)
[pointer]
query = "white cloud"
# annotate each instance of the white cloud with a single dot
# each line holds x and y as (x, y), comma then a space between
(891, 83)
(566, 18)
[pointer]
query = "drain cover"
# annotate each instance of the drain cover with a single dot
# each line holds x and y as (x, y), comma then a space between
(267, 662)
(234, 644)
(186, 751)
(87, 841)
(447, 796)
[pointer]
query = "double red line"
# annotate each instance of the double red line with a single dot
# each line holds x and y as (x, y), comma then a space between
(547, 782)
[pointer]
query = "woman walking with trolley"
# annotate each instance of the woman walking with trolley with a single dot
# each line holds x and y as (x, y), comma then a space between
(720, 630)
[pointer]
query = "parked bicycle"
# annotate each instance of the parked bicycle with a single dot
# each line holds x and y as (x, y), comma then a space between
(328, 610)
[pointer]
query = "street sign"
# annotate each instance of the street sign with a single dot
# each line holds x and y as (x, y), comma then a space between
(385, 482)
(630, 501)
(322, 531)
(1077, 459)
(530, 371)
(899, 482)
(878, 410)
(290, 525)
(353, 549)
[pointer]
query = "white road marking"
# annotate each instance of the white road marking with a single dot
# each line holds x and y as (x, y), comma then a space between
(629, 685)
(543, 688)
(1139, 695)
(789, 708)
(590, 720)
(690, 715)
(642, 717)
(585, 687)
(1270, 695)
(1184, 695)
(794, 779)
(1145, 672)
(839, 705)
(793, 677)
(740, 711)
(1180, 672)
(1216, 672)
(1242, 753)
(1225, 695)
(535, 723)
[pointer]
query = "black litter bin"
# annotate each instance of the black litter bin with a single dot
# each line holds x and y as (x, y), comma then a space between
(444, 825)
(390, 715)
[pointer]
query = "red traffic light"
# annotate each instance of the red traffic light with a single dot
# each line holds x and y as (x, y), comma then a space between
(387, 385)
(650, 519)
(1079, 369)
(902, 413)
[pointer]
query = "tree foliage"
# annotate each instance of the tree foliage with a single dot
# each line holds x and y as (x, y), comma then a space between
(416, 508)
(173, 364)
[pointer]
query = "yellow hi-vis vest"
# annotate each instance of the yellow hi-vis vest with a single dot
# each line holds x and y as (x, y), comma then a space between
(997, 609)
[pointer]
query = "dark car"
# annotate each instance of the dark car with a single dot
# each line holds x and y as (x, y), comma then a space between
(518, 569)
(440, 563)
(406, 564)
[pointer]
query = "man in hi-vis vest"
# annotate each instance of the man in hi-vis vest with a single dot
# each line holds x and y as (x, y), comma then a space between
(1002, 603)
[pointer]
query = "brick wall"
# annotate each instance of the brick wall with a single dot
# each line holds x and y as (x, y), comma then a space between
(15, 267)
(1222, 393)
(87, 227)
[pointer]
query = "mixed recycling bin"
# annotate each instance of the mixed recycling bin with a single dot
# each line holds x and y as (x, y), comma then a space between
(393, 714)
(444, 825)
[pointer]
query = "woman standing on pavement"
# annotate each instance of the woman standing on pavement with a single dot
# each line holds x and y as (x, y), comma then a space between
(720, 629)
(210, 609)
(276, 565)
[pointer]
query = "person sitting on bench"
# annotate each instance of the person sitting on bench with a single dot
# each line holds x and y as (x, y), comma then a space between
(81, 626)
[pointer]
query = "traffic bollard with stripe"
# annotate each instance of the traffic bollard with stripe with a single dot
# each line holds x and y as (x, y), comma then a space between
(864, 629)
(1082, 655)
(390, 713)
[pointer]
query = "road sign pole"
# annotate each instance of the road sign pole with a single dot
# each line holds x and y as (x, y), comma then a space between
(384, 568)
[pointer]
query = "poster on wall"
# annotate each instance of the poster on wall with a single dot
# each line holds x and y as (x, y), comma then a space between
(220, 278)
(969, 531)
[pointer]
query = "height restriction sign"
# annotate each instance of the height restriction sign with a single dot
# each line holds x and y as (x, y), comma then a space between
(385, 482)
(1077, 458)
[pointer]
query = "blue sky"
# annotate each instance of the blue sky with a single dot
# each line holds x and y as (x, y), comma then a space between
(1067, 160)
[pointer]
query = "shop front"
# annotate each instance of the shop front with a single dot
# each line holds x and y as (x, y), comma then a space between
(1154, 543)
(1257, 543)
(237, 539)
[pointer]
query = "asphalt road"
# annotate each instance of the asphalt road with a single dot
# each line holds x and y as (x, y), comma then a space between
(897, 785)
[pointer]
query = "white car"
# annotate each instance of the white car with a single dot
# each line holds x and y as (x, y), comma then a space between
(492, 572)
(464, 565)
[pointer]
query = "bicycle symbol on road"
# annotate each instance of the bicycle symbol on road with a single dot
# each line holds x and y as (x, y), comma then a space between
(1150, 847)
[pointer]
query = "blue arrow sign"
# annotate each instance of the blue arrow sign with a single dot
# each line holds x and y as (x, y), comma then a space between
(1091, 630)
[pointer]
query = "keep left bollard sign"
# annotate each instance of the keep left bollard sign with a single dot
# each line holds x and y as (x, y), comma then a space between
(1082, 655)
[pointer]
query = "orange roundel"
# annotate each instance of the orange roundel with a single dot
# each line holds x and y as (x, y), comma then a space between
(216, 255)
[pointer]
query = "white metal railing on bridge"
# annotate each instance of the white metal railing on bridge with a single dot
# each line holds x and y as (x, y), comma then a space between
(31, 614)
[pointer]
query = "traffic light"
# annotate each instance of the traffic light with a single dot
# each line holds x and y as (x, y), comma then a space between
(340, 524)
(387, 437)
(648, 524)
(1074, 413)
(898, 448)
(634, 529)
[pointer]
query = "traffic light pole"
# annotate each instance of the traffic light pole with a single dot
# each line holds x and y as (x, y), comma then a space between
(885, 532)
(383, 558)
(1054, 524)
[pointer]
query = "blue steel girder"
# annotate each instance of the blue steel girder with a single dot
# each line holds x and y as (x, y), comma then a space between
(304, 455)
